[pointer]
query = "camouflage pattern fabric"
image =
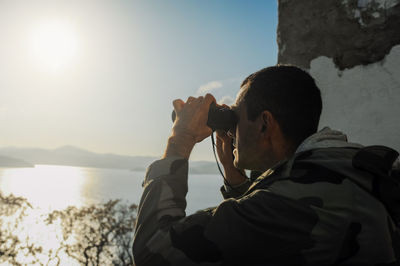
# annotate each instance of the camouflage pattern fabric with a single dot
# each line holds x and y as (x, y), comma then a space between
(313, 209)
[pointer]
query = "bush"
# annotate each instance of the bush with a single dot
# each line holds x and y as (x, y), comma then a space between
(100, 234)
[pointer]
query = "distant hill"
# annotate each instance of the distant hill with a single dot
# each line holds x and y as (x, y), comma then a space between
(203, 167)
(73, 156)
(12, 162)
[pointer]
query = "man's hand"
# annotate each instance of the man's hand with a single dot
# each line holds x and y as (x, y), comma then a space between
(190, 125)
(233, 175)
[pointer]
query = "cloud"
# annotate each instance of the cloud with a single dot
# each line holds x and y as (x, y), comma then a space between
(228, 100)
(210, 86)
(224, 90)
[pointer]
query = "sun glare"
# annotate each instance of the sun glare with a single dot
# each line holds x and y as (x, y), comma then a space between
(54, 45)
(66, 184)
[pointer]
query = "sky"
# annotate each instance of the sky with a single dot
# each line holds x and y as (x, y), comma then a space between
(102, 75)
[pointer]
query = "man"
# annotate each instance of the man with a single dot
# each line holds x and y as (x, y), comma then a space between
(310, 205)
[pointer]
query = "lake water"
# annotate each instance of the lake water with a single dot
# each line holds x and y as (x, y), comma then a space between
(51, 187)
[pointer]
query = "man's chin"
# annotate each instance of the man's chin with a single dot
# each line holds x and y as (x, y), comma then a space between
(244, 165)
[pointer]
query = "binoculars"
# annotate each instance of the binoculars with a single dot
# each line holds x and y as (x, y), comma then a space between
(219, 118)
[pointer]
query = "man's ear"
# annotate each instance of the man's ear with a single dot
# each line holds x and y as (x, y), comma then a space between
(263, 128)
(265, 120)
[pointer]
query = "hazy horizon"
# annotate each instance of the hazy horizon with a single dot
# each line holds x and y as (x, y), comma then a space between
(87, 150)
(101, 75)
(71, 146)
(13, 157)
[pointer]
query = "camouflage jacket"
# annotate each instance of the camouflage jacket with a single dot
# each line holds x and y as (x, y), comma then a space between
(313, 209)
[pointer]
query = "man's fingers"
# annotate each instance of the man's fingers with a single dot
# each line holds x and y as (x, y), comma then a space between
(193, 103)
(220, 134)
(208, 99)
(223, 105)
(190, 99)
(218, 141)
(223, 136)
(178, 105)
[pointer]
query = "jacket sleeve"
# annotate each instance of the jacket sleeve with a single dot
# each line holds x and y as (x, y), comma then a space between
(246, 229)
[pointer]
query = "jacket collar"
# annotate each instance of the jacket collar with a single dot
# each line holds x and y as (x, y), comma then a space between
(326, 138)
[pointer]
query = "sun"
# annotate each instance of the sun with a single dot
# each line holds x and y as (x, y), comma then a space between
(53, 44)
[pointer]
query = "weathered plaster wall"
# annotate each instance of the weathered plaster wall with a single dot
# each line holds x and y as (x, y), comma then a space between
(351, 32)
(363, 101)
(352, 49)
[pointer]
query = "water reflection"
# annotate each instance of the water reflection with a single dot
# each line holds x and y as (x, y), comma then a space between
(46, 186)
(53, 187)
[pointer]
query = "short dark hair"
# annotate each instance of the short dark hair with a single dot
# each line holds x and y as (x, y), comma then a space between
(292, 97)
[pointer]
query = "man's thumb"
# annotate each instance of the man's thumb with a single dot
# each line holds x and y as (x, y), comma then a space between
(178, 105)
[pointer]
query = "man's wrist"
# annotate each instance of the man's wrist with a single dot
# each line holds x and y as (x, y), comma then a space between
(179, 145)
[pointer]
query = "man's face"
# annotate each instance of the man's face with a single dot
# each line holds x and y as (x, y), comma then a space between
(247, 138)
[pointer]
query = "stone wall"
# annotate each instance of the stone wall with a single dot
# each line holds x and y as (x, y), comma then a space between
(352, 49)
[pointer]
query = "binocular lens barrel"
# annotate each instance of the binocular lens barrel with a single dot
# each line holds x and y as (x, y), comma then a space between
(219, 118)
